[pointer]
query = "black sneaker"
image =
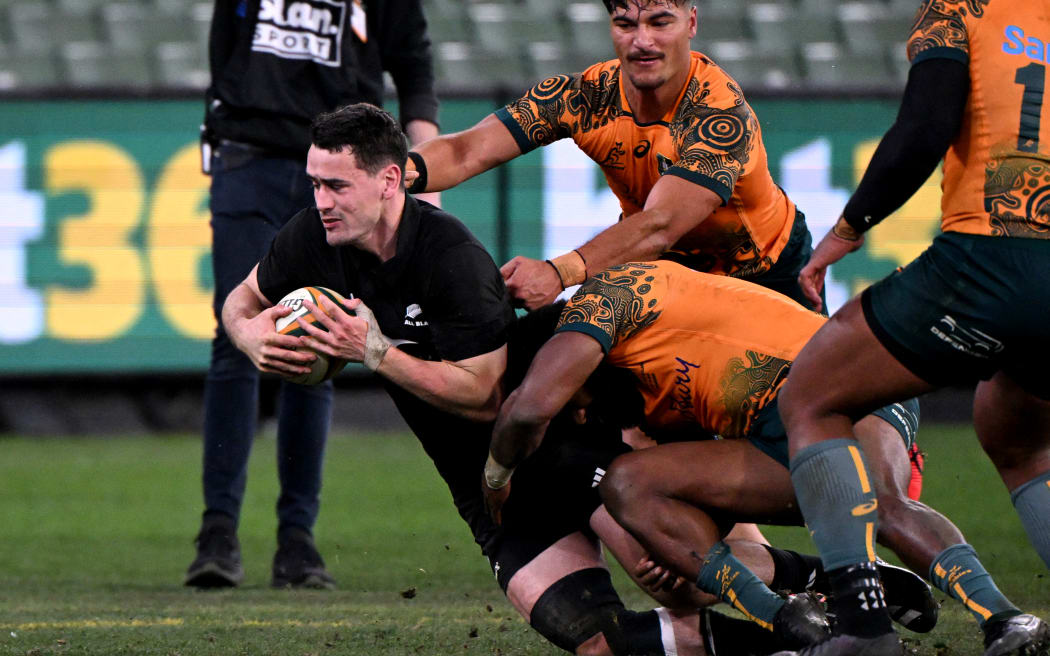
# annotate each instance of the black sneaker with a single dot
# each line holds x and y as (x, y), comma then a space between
(218, 562)
(887, 644)
(801, 621)
(297, 563)
(1020, 635)
(909, 599)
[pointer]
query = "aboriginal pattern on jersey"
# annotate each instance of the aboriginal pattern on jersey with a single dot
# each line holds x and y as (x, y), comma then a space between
(735, 246)
(939, 24)
(564, 105)
(615, 301)
(1017, 197)
(748, 386)
(725, 136)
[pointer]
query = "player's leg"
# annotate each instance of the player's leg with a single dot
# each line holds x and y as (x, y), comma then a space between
(819, 403)
(679, 499)
(566, 594)
(1014, 429)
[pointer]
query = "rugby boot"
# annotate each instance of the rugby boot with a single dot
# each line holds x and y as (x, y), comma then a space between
(729, 636)
(801, 621)
(886, 644)
(909, 599)
(297, 564)
(1020, 635)
(218, 561)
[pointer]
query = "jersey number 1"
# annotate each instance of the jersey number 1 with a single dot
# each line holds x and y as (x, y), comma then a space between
(1031, 77)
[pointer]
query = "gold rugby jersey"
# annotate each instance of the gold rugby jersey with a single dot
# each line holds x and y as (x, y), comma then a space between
(710, 137)
(997, 172)
(707, 351)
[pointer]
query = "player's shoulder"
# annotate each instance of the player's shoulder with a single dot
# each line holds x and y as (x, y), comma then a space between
(437, 232)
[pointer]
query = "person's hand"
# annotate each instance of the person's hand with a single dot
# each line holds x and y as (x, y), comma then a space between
(656, 578)
(268, 350)
(410, 176)
(531, 283)
(839, 242)
(353, 337)
(494, 500)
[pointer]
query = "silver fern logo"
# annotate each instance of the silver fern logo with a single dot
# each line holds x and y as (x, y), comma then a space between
(414, 316)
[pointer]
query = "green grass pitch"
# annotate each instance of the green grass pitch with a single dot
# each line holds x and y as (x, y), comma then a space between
(96, 534)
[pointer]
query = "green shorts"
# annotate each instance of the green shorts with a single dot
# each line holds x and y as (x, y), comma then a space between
(768, 435)
(969, 306)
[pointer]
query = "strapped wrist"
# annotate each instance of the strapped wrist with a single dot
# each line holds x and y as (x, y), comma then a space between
(571, 268)
(496, 475)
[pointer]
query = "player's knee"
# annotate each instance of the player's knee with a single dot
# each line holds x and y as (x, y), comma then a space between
(623, 485)
(581, 613)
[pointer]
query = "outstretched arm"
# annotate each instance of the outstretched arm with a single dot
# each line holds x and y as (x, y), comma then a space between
(557, 373)
(452, 158)
(928, 121)
(674, 207)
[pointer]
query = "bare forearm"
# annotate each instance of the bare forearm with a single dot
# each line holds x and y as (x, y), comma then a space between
(444, 385)
(241, 305)
(452, 158)
(516, 435)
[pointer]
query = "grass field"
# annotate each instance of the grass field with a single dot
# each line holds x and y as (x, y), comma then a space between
(96, 534)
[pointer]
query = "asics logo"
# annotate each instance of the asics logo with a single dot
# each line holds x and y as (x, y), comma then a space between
(864, 508)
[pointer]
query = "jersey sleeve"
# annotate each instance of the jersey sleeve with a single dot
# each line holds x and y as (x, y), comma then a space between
(939, 31)
(543, 115)
(467, 303)
(714, 139)
(299, 256)
(613, 305)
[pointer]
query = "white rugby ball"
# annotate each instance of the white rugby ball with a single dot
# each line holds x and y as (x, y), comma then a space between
(323, 368)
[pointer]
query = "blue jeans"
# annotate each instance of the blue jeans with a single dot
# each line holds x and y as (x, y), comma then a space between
(252, 196)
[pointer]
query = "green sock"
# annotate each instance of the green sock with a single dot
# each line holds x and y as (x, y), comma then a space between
(1032, 501)
(957, 572)
(731, 581)
(838, 501)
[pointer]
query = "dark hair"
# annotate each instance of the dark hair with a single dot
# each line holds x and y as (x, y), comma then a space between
(617, 401)
(372, 135)
(612, 5)
(526, 336)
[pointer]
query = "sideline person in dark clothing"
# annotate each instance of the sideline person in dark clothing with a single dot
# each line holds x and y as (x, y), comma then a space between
(274, 67)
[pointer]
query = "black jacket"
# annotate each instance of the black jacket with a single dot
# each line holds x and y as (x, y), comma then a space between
(276, 64)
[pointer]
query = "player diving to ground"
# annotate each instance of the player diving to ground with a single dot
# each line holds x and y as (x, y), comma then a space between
(707, 355)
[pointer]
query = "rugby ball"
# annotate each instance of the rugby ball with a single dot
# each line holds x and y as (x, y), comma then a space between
(323, 367)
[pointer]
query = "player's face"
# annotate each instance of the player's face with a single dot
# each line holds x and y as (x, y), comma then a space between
(651, 39)
(348, 198)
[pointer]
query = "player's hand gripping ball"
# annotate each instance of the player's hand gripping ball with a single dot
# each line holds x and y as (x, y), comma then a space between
(323, 368)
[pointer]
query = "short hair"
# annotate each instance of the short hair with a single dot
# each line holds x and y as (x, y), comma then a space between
(372, 135)
(617, 401)
(613, 5)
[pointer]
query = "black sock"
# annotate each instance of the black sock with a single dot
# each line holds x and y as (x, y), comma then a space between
(727, 636)
(796, 572)
(857, 601)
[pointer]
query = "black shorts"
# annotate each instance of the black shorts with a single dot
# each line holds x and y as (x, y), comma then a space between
(768, 435)
(969, 306)
(783, 275)
(553, 494)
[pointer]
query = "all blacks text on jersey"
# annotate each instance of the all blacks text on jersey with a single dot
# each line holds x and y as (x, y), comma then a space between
(414, 316)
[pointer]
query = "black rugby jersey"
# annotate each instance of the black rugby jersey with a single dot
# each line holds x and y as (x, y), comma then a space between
(442, 291)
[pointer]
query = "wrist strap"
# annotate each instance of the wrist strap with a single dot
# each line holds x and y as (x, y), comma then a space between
(571, 268)
(419, 185)
(560, 279)
(496, 475)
